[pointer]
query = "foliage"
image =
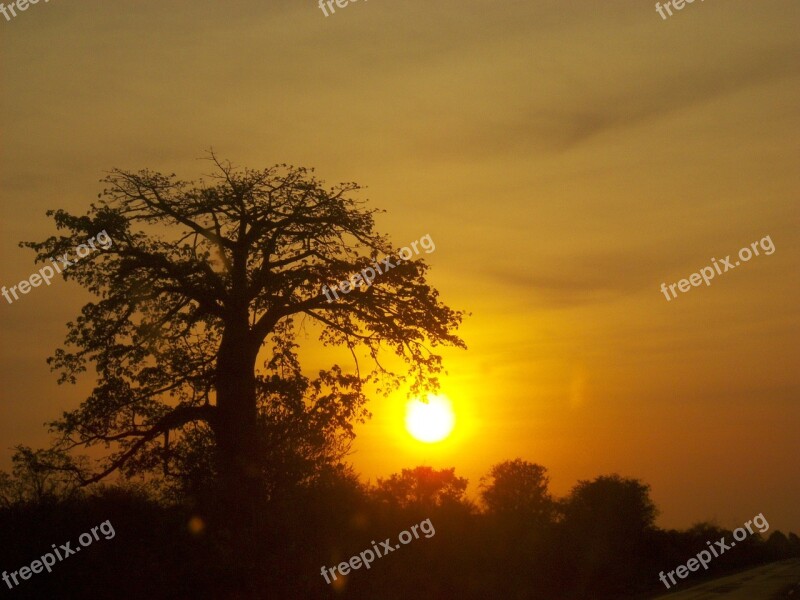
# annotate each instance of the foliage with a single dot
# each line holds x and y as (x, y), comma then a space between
(423, 487)
(518, 488)
(37, 477)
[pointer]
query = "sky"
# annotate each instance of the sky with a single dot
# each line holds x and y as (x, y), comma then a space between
(566, 158)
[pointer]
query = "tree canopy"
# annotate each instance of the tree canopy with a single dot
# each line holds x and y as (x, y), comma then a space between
(518, 488)
(423, 487)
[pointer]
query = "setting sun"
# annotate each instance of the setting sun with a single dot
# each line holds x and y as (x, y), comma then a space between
(430, 421)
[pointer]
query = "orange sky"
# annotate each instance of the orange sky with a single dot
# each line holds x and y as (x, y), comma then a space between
(566, 158)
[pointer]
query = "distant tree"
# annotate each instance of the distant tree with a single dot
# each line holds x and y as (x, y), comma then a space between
(518, 488)
(199, 279)
(611, 505)
(778, 546)
(610, 523)
(37, 476)
(705, 530)
(422, 487)
(794, 542)
(518, 528)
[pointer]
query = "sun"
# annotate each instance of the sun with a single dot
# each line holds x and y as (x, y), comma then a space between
(432, 421)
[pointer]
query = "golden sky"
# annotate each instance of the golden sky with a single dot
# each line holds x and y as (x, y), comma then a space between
(566, 158)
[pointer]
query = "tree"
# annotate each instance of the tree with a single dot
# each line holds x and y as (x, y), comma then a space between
(520, 511)
(37, 476)
(518, 488)
(423, 487)
(794, 542)
(201, 276)
(611, 506)
(611, 521)
(778, 546)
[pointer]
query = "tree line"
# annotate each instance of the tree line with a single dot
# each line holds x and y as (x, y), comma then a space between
(600, 541)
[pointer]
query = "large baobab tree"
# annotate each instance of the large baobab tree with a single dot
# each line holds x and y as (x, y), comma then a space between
(202, 279)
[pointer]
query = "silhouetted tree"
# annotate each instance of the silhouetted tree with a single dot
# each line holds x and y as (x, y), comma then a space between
(609, 521)
(705, 530)
(38, 477)
(794, 541)
(778, 546)
(519, 523)
(423, 487)
(518, 488)
(612, 506)
(199, 278)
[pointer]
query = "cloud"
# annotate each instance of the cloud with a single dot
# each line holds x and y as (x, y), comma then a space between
(585, 279)
(577, 105)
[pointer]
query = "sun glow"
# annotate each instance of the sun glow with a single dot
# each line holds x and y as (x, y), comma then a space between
(432, 421)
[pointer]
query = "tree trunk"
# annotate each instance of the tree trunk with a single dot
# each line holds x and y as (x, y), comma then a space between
(236, 430)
